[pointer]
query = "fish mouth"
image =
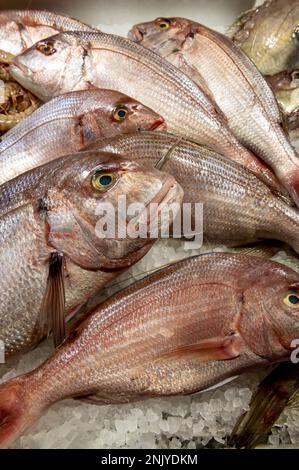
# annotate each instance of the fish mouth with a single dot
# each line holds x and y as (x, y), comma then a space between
(135, 34)
(158, 124)
(17, 67)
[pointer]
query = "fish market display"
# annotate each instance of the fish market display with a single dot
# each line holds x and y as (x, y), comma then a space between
(168, 152)
(20, 29)
(16, 103)
(181, 330)
(243, 210)
(269, 35)
(236, 85)
(75, 61)
(275, 392)
(51, 256)
(69, 123)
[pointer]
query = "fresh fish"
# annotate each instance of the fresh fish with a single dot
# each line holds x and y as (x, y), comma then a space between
(53, 254)
(75, 61)
(236, 85)
(181, 330)
(69, 123)
(275, 392)
(269, 35)
(237, 207)
(20, 29)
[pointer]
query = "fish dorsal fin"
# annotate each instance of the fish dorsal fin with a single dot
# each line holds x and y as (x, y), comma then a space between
(52, 313)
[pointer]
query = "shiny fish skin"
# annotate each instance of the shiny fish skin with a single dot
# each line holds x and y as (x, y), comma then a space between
(145, 341)
(20, 29)
(80, 60)
(236, 85)
(269, 36)
(67, 124)
(238, 207)
(53, 209)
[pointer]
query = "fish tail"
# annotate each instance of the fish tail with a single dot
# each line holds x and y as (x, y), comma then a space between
(16, 410)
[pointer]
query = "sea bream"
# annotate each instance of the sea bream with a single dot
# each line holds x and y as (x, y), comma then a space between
(20, 29)
(238, 208)
(67, 124)
(79, 60)
(215, 62)
(53, 253)
(184, 329)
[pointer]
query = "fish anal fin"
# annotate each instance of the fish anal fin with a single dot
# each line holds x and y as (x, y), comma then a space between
(52, 313)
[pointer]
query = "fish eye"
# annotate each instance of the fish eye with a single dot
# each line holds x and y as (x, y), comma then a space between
(295, 76)
(291, 299)
(296, 33)
(46, 47)
(120, 113)
(164, 23)
(102, 181)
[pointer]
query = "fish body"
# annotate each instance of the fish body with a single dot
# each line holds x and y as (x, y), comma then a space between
(20, 29)
(181, 330)
(67, 124)
(269, 35)
(238, 88)
(52, 212)
(75, 61)
(238, 207)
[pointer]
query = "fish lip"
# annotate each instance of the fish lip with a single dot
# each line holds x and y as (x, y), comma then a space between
(135, 34)
(159, 123)
(20, 66)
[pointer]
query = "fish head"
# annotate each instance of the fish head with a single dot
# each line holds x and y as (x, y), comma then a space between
(286, 88)
(51, 66)
(125, 115)
(271, 301)
(102, 209)
(163, 35)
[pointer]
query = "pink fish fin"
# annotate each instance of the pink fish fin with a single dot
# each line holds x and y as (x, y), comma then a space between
(52, 313)
(212, 349)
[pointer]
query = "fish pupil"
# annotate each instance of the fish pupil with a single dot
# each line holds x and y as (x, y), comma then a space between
(293, 299)
(105, 180)
(122, 113)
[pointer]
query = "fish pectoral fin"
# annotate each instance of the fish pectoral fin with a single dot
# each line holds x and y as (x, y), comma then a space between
(213, 349)
(52, 314)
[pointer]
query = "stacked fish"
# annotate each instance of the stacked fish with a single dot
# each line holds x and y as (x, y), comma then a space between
(179, 97)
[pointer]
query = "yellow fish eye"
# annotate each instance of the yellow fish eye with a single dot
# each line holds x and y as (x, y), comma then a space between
(120, 113)
(46, 47)
(164, 24)
(291, 299)
(295, 76)
(102, 181)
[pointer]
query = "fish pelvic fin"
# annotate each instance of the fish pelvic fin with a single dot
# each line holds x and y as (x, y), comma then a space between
(52, 314)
